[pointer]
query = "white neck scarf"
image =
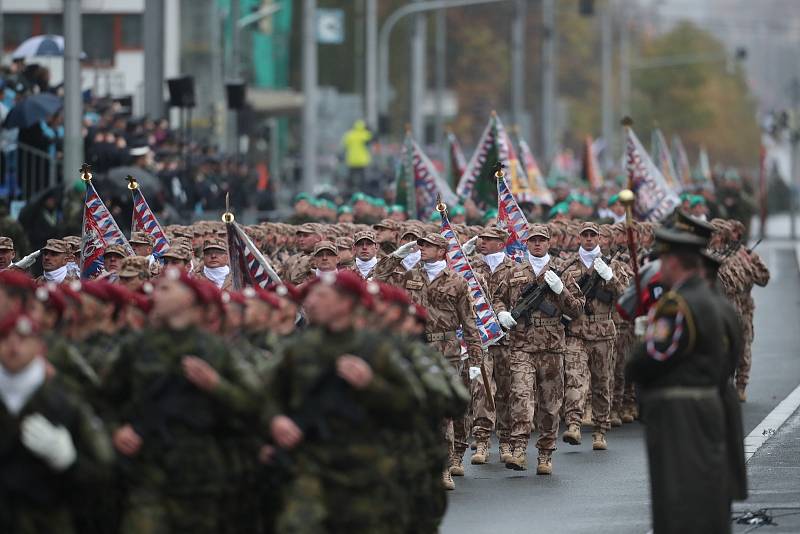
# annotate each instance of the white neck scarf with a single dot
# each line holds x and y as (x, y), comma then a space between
(320, 273)
(411, 260)
(493, 260)
(16, 389)
(434, 268)
(217, 274)
(73, 269)
(618, 218)
(56, 276)
(588, 256)
(364, 267)
(538, 264)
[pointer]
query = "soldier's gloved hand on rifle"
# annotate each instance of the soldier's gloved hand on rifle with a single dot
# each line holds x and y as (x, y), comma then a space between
(469, 246)
(555, 283)
(200, 373)
(506, 320)
(127, 441)
(285, 432)
(354, 371)
(474, 372)
(602, 269)
(405, 250)
(51, 443)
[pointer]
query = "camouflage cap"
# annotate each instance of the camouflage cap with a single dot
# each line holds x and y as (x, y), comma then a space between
(140, 238)
(368, 235)
(385, 224)
(74, 242)
(325, 245)
(6, 243)
(344, 242)
(178, 251)
(58, 246)
(115, 249)
(433, 239)
(134, 266)
(589, 226)
(493, 232)
(412, 230)
(540, 230)
(307, 228)
(215, 243)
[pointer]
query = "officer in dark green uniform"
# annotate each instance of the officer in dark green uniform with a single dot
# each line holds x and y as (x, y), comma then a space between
(679, 368)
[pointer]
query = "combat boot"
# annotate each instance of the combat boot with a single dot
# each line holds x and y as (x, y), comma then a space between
(447, 481)
(457, 465)
(481, 455)
(616, 420)
(544, 463)
(505, 452)
(599, 440)
(627, 414)
(742, 394)
(572, 434)
(587, 415)
(519, 460)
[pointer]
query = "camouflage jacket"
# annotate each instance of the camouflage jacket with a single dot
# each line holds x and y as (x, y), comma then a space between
(542, 330)
(494, 280)
(596, 321)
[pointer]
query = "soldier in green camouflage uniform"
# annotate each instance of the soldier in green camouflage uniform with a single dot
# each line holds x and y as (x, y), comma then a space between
(179, 390)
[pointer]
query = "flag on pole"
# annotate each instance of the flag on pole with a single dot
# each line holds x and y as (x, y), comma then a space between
(485, 318)
(663, 160)
(655, 200)
(99, 230)
(681, 161)
(511, 217)
(539, 191)
(703, 172)
(591, 167)
(144, 220)
(456, 162)
(494, 145)
(418, 169)
(249, 267)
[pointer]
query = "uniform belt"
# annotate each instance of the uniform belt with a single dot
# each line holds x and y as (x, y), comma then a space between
(683, 392)
(547, 321)
(440, 336)
(596, 318)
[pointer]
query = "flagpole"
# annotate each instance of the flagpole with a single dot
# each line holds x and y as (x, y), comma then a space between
(86, 176)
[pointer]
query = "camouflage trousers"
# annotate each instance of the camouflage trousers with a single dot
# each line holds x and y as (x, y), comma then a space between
(545, 371)
(623, 344)
(588, 365)
(457, 433)
(743, 369)
(483, 417)
(150, 512)
(502, 374)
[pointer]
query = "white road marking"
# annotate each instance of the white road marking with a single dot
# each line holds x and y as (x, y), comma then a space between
(771, 423)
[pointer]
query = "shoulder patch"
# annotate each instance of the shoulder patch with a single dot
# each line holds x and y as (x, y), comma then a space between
(413, 284)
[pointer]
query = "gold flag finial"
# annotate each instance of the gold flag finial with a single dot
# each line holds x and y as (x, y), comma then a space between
(441, 207)
(86, 172)
(626, 197)
(498, 170)
(228, 217)
(133, 185)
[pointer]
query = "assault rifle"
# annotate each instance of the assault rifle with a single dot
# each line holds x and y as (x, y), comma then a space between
(533, 295)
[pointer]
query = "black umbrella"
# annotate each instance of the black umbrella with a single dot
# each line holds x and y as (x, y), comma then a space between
(117, 178)
(32, 110)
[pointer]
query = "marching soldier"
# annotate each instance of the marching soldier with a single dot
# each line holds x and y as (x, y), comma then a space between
(112, 259)
(590, 340)
(306, 236)
(7, 252)
(495, 267)
(386, 236)
(324, 260)
(344, 246)
(215, 263)
(537, 350)
(55, 255)
(365, 249)
(142, 244)
(445, 296)
(134, 273)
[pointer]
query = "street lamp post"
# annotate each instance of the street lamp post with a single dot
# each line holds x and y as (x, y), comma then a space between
(309, 151)
(73, 105)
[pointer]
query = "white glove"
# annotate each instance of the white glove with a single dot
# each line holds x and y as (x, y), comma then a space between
(506, 320)
(27, 261)
(474, 372)
(51, 443)
(405, 250)
(603, 270)
(640, 325)
(469, 246)
(555, 283)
